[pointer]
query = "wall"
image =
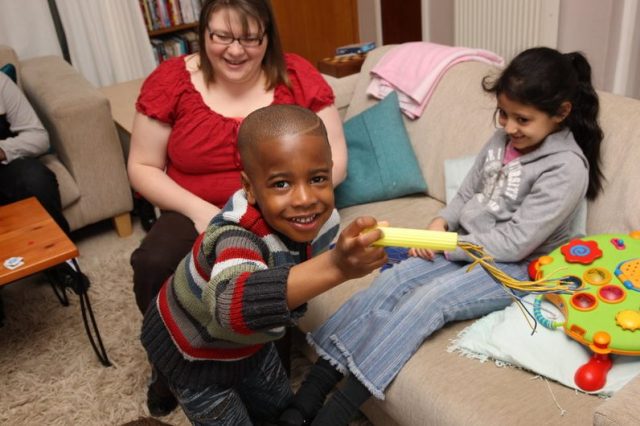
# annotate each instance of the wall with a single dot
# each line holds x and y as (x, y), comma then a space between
(437, 21)
(369, 22)
(607, 31)
(586, 26)
(27, 27)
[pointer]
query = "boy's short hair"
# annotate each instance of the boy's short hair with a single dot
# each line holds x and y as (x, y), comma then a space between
(276, 121)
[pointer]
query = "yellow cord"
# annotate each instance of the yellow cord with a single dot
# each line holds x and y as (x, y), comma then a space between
(542, 285)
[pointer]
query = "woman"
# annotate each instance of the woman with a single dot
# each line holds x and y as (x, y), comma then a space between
(183, 156)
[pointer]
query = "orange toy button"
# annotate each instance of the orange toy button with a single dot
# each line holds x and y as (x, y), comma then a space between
(597, 276)
(601, 341)
(635, 235)
(545, 260)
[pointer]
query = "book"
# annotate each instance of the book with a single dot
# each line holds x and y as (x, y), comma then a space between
(356, 48)
(175, 14)
(153, 12)
(186, 7)
(146, 14)
(197, 7)
(163, 13)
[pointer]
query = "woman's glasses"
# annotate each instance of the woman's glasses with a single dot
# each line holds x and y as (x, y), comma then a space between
(226, 39)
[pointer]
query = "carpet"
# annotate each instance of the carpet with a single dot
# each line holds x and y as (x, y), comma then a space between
(49, 372)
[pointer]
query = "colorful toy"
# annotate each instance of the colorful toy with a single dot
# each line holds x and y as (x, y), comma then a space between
(604, 313)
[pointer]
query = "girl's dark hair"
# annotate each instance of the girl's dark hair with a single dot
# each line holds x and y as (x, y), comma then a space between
(545, 78)
(259, 11)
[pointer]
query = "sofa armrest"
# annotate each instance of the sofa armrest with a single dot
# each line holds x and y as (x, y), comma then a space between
(8, 56)
(343, 89)
(622, 408)
(82, 134)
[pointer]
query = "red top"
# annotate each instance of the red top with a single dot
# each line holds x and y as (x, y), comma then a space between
(202, 154)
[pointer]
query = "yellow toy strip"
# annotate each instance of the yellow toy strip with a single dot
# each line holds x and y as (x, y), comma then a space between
(417, 238)
(448, 241)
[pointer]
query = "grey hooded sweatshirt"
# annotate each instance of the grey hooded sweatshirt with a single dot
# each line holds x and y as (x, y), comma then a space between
(522, 209)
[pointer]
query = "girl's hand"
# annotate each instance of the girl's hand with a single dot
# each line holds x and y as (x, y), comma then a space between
(424, 253)
(353, 254)
(437, 224)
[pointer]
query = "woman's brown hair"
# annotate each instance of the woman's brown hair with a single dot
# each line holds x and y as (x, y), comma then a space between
(259, 11)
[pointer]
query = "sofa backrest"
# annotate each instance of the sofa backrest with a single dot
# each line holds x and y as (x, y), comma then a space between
(460, 118)
(617, 209)
(457, 121)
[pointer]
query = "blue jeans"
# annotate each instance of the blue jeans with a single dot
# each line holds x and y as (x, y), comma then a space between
(261, 396)
(375, 332)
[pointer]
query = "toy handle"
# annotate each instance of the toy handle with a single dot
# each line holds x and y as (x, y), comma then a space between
(417, 238)
(592, 376)
(537, 313)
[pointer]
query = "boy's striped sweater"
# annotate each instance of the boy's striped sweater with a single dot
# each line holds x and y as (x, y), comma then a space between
(227, 297)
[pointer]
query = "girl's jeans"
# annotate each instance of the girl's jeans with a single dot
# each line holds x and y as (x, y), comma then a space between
(260, 396)
(376, 331)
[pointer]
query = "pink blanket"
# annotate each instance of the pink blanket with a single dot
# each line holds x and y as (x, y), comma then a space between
(414, 69)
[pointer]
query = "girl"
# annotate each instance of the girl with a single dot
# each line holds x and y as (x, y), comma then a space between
(518, 202)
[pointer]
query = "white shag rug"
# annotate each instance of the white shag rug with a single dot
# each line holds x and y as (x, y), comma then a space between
(49, 373)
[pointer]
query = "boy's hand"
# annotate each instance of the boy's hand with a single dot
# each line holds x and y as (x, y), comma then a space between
(353, 254)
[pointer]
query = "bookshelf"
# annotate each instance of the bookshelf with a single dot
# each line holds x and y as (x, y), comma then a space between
(171, 25)
(173, 29)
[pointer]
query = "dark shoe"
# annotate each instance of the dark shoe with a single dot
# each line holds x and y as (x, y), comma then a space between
(65, 276)
(160, 405)
(292, 417)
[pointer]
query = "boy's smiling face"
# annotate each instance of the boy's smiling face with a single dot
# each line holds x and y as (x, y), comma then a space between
(289, 178)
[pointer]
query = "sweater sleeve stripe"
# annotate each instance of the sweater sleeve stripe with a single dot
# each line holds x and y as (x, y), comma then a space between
(197, 258)
(239, 253)
(237, 322)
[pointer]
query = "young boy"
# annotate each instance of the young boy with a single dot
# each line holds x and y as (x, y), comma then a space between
(211, 330)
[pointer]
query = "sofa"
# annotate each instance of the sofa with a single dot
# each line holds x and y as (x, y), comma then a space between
(86, 154)
(437, 387)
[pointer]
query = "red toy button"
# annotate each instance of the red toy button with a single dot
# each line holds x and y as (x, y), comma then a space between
(578, 251)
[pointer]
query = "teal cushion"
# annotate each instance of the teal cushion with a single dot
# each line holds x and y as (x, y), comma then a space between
(10, 70)
(382, 164)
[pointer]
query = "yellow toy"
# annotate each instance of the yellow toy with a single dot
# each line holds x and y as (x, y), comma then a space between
(417, 238)
(448, 241)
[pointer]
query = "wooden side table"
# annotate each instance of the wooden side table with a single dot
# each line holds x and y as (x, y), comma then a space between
(27, 231)
(341, 66)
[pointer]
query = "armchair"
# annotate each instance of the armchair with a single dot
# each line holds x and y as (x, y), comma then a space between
(87, 156)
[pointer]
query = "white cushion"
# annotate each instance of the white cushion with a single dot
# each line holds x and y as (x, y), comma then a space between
(505, 336)
(455, 170)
